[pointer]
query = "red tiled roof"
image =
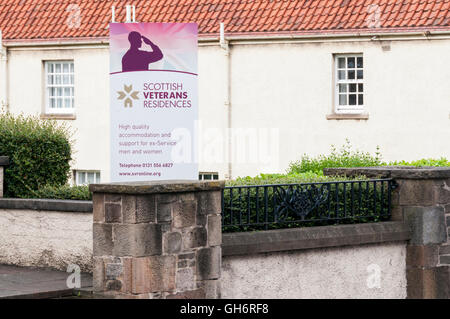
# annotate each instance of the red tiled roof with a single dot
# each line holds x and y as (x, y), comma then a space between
(50, 19)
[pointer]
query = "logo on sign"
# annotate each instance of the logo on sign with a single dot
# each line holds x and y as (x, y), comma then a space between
(128, 95)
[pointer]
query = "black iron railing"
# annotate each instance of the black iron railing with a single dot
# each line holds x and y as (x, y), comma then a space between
(259, 207)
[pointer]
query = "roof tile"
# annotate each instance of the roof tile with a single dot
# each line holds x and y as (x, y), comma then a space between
(42, 19)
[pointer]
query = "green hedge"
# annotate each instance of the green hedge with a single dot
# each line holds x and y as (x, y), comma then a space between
(63, 192)
(39, 153)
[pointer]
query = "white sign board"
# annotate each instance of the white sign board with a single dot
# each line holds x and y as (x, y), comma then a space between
(154, 101)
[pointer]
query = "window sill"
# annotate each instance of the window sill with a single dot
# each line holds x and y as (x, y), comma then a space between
(59, 116)
(348, 116)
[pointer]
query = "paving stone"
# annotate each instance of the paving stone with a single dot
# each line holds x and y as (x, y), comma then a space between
(36, 283)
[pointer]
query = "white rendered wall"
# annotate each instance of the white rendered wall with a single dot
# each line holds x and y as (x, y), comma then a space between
(91, 127)
(358, 272)
(46, 239)
(283, 91)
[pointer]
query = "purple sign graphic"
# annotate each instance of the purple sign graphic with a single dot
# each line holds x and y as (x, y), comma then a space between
(153, 102)
(138, 60)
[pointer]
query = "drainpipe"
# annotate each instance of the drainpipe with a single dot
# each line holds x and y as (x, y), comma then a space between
(227, 103)
(4, 105)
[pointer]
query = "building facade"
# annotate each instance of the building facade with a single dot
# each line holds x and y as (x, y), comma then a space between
(266, 96)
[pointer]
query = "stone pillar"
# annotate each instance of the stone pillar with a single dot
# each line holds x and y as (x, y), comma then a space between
(157, 239)
(421, 200)
(4, 161)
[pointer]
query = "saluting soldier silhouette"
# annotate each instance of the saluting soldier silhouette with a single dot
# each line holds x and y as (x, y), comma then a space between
(138, 60)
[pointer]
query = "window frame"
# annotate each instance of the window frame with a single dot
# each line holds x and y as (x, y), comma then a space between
(201, 176)
(347, 109)
(84, 171)
(62, 110)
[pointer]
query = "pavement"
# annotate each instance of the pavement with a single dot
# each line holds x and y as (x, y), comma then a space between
(39, 283)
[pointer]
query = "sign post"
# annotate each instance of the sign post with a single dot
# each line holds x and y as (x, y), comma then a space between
(153, 101)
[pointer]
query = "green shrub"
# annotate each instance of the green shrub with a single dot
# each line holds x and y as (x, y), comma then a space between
(63, 192)
(442, 162)
(39, 153)
(345, 157)
(247, 205)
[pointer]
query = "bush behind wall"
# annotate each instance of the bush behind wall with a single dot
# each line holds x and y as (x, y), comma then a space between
(39, 152)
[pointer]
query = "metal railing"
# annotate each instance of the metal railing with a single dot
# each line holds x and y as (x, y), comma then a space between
(262, 207)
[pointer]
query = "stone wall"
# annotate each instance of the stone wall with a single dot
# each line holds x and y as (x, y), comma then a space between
(164, 240)
(46, 233)
(422, 201)
(157, 240)
(346, 261)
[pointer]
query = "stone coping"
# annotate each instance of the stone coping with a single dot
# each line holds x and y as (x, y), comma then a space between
(246, 243)
(403, 172)
(78, 206)
(154, 187)
(4, 160)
